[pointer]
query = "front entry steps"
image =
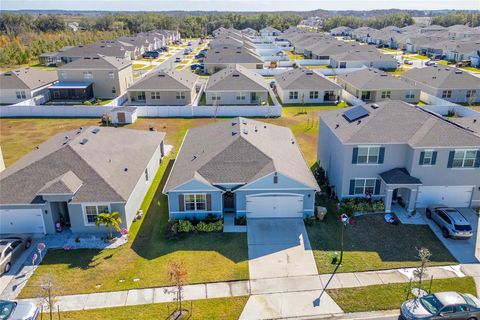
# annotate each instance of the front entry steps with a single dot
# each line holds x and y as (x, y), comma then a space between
(229, 224)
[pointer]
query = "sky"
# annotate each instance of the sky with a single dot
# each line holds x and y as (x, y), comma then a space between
(237, 5)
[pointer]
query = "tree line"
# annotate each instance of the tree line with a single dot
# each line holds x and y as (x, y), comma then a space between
(396, 19)
(470, 19)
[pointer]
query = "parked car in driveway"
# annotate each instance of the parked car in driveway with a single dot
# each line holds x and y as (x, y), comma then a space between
(407, 61)
(11, 247)
(178, 60)
(430, 63)
(451, 221)
(443, 305)
(20, 310)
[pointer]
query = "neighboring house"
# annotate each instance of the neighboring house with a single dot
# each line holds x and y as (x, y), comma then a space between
(461, 51)
(218, 59)
(226, 43)
(360, 57)
(92, 77)
(236, 85)
(242, 166)
(304, 86)
(270, 32)
(74, 176)
(250, 32)
(399, 153)
(341, 31)
(372, 85)
(23, 84)
(170, 88)
(117, 49)
(445, 82)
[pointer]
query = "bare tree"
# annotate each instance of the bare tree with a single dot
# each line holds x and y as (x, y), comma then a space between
(421, 271)
(177, 274)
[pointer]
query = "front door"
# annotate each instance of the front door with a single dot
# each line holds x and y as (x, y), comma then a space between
(121, 117)
(228, 202)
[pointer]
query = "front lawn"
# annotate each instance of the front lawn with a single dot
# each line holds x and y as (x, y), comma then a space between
(391, 296)
(372, 244)
(418, 56)
(224, 308)
(143, 261)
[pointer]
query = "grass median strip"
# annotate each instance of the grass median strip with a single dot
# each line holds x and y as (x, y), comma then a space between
(391, 296)
(224, 308)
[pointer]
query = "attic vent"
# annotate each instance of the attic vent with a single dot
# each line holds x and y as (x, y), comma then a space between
(309, 73)
(8, 74)
(384, 75)
(234, 132)
(87, 58)
(434, 77)
(245, 131)
(96, 58)
(234, 122)
(256, 129)
(95, 130)
(83, 141)
(239, 52)
(161, 75)
(235, 75)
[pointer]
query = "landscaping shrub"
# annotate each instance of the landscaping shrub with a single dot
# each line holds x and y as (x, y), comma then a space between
(211, 218)
(210, 227)
(185, 226)
(171, 230)
(352, 205)
(309, 221)
(241, 221)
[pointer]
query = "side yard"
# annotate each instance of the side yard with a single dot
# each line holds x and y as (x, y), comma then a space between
(372, 244)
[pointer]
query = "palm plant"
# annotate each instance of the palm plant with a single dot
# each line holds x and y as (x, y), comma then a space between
(110, 220)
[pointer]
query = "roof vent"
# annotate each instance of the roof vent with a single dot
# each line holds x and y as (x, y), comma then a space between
(256, 129)
(458, 71)
(125, 169)
(337, 126)
(234, 132)
(234, 122)
(384, 75)
(95, 130)
(161, 75)
(235, 75)
(83, 141)
(244, 121)
(375, 106)
(359, 121)
(194, 157)
(245, 131)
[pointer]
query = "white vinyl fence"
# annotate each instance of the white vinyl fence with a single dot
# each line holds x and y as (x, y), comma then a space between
(142, 111)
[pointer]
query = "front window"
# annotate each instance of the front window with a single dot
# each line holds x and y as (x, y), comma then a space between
(368, 155)
(180, 95)
(111, 75)
(91, 212)
(427, 158)
(141, 96)
(386, 94)
(464, 158)
(155, 95)
(365, 95)
(216, 97)
(240, 96)
(293, 95)
(195, 202)
(364, 186)
(446, 93)
(313, 94)
(21, 95)
(410, 94)
(471, 93)
(87, 75)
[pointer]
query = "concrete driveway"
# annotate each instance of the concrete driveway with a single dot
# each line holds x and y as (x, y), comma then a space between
(279, 248)
(465, 251)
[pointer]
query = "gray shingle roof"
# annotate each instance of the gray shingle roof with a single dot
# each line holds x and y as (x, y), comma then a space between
(167, 81)
(234, 78)
(399, 122)
(360, 54)
(27, 78)
(399, 176)
(109, 165)
(97, 63)
(373, 79)
(304, 79)
(231, 55)
(212, 154)
(67, 183)
(443, 77)
(108, 48)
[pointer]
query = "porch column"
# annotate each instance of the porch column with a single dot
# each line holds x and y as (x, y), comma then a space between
(413, 200)
(388, 200)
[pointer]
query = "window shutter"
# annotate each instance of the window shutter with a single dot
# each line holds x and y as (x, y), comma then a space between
(381, 155)
(209, 202)
(477, 160)
(434, 157)
(377, 187)
(422, 156)
(181, 203)
(450, 159)
(355, 155)
(352, 187)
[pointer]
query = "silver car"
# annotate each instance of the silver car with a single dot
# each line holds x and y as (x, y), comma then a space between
(451, 222)
(11, 247)
(442, 305)
(11, 310)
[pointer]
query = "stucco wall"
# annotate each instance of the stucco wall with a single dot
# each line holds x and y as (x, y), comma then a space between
(230, 97)
(285, 94)
(167, 98)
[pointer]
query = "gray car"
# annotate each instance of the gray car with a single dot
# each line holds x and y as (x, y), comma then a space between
(451, 222)
(11, 247)
(442, 305)
(11, 310)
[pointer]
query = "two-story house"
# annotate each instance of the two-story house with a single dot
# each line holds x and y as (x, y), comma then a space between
(400, 153)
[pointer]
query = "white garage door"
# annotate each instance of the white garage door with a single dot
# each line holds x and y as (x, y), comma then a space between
(453, 196)
(277, 206)
(21, 221)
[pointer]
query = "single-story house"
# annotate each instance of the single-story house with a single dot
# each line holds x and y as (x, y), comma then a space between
(218, 59)
(92, 77)
(270, 32)
(242, 166)
(236, 85)
(300, 86)
(341, 31)
(400, 153)
(445, 82)
(171, 88)
(372, 85)
(23, 84)
(360, 57)
(74, 176)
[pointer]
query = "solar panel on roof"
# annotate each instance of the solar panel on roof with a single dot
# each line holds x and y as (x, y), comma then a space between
(355, 113)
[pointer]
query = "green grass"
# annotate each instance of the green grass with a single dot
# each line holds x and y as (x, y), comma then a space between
(179, 67)
(372, 244)
(138, 66)
(397, 71)
(293, 56)
(207, 257)
(471, 69)
(391, 296)
(417, 56)
(224, 308)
